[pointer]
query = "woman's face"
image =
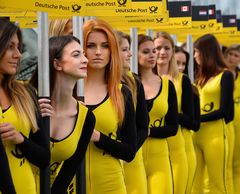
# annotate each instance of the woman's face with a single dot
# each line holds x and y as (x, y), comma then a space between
(97, 50)
(181, 61)
(147, 55)
(73, 61)
(125, 53)
(164, 51)
(233, 58)
(197, 56)
(11, 57)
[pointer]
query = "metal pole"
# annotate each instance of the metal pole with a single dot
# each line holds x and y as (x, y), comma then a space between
(78, 32)
(134, 49)
(191, 63)
(149, 32)
(80, 174)
(43, 87)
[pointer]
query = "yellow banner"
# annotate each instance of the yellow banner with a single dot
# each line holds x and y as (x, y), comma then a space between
(90, 7)
(146, 8)
(212, 25)
(67, 7)
(136, 21)
(177, 23)
(15, 12)
(228, 40)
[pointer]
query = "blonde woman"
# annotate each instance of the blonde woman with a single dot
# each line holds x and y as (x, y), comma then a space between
(182, 155)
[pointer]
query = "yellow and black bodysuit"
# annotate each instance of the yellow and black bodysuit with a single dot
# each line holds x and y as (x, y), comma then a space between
(178, 155)
(134, 171)
(6, 183)
(186, 122)
(236, 124)
(67, 153)
(163, 123)
(104, 171)
(211, 140)
(34, 150)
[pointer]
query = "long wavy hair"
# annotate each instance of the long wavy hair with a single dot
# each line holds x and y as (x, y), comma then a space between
(212, 60)
(19, 95)
(57, 26)
(113, 71)
(126, 78)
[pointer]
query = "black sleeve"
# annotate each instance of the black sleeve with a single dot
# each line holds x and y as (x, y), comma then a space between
(36, 147)
(196, 121)
(171, 119)
(227, 85)
(126, 148)
(186, 115)
(6, 183)
(142, 118)
(70, 166)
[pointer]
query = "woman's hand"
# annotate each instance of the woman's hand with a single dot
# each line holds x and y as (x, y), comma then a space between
(9, 133)
(95, 136)
(46, 108)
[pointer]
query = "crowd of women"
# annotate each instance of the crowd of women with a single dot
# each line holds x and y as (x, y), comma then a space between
(151, 132)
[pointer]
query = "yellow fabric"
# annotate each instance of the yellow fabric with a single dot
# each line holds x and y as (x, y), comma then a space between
(210, 142)
(191, 158)
(155, 150)
(135, 176)
(104, 173)
(178, 156)
(19, 165)
(230, 140)
(236, 124)
(64, 149)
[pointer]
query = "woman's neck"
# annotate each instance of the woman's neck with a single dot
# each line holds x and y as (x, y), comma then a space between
(147, 74)
(95, 77)
(162, 69)
(62, 95)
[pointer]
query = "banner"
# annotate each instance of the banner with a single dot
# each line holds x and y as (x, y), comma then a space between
(68, 7)
(136, 8)
(179, 15)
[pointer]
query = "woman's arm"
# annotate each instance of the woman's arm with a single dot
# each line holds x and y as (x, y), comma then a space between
(226, 100)
(187, 114)
(124, 149)
(171, 119)
(142, 118)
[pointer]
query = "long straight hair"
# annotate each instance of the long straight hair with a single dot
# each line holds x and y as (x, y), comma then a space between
(212, 60)
(113, 71)
(19, 95)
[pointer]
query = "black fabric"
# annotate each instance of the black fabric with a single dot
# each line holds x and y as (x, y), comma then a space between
(6, 183)
(142, 118)
(187, 111)
(197, 113)
(171, 119)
